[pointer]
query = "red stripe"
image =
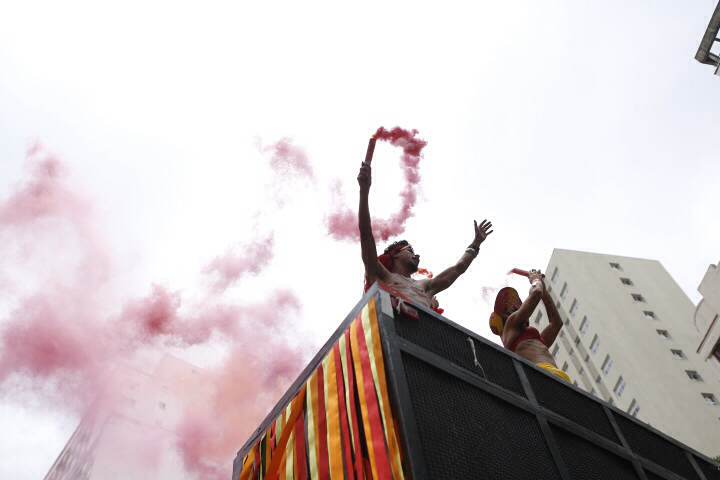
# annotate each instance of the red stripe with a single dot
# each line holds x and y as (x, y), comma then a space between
(300, 453)
(323, 460)
(378, 436)
(359, 472)
(344, 429)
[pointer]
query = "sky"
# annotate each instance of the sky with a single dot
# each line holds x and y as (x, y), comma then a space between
(570, 124)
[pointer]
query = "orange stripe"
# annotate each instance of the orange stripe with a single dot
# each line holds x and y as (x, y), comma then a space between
(374, 415)
(357, 448)
(323, 460)
(361, 393)
(387, 411)
(344, 427)
(333, 418)
(297, 408)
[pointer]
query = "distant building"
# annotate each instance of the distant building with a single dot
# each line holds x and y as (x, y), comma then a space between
(707, 319)
(629, 339)
(132, 433)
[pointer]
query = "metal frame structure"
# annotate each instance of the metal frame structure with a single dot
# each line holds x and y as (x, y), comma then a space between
(631, 434)
(704, 54)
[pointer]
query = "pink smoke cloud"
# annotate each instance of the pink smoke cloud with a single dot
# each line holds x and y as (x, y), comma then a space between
(342, 223)
(239, 262)
(287, 159)
(65, 331)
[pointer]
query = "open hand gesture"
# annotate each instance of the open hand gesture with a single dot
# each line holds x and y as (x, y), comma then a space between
(481, 232)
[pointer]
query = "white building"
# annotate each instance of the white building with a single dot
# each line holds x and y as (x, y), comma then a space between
(707, 319)
(629, 339)
(132, 431)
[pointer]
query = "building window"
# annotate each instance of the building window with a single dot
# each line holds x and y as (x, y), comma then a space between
(577, 340)
(619, 387)
(563, 290)
(716, 350)
(594, 344)
(607, 364)
(538, 317)
(664, 334)
(554, 275)
(562, 333)
(572, 350)
(626, 281)
(583, 325)
(555, 350)
(710, 398)
(693, 375)
(581, 371)
(597, 379)
(564, 367)
(637, 297)
(615, 266)
(678, 353)
(573, 307)
(634, 408)
(649, 314)
(592, 391)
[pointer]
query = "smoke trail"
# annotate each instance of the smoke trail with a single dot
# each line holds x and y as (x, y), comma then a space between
(342, 223)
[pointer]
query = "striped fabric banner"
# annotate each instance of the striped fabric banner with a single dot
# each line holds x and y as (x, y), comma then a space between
(340, 425)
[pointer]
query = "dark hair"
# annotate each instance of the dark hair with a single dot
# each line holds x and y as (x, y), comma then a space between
(396, 246)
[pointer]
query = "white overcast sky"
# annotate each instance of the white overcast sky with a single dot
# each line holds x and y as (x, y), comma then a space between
(583, 125)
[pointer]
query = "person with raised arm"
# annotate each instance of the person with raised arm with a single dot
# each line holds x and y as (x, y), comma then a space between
(511, 321)
(395, 266)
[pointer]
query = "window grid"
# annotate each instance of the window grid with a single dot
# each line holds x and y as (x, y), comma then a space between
(663, 333)
(573, 307)
(583, 325)
(649, 314)
(626, 281)
(634, 408)
(619, 387)
(638, 298)
(563, 291)
(554, 275)
(710, 398)
(677, 353)
(607, 364)
(594, 344)
(693, 375)
(615, 266)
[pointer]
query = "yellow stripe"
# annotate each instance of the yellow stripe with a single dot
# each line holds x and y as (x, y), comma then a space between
(375, 345)
(248, 465)
(312, 441)
(290, 456)
(333, 419)
(346, 384)
(361, 393)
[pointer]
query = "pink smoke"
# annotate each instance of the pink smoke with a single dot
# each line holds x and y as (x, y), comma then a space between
(64, 329)
(288, 159)
(239, 262)
(342, 223)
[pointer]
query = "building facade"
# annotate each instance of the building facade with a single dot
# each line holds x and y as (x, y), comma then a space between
(629, 339)
(707, 319)
(131, 432)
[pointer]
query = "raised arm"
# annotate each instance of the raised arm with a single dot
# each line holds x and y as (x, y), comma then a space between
(550, 333)
(448, 276)
(374, 270)
(518, 320)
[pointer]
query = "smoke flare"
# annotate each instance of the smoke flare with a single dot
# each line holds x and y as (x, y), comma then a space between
(342, 223)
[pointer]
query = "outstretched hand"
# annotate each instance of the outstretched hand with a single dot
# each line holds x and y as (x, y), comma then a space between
(481, 232)
(536, 278)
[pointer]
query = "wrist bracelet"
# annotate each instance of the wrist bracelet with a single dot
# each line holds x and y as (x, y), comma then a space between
(472, 251)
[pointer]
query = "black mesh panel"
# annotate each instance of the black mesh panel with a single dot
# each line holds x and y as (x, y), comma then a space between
(572, 405)
(469, 434)
(654, 447)
(712, 472)
(451, 343)
(587, 461)
(654, 476)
